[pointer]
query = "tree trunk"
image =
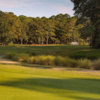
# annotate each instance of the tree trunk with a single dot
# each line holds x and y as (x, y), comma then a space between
(21, 41)
(42, 41)
(96, 38)
(47, 39)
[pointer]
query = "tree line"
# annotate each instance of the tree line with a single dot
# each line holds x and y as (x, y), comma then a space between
(89, 10)
(59, 29)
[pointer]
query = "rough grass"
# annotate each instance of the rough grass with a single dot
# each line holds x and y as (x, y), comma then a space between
(20, 83)
(69, 51)
(44, 50)
(68, 56)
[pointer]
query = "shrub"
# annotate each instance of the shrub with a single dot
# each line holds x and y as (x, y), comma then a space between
(96, 64)
(54, 60)
(65, 61)
(18, 57)
(22, 57)
(11, 56)
(73, 63)
(40, 60)
(43, 60)
(33, 54)
(50, 60)
(86, 54)
(60, 61)
(84, 63)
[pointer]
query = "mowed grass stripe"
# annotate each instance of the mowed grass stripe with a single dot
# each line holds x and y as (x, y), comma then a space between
(21, 83)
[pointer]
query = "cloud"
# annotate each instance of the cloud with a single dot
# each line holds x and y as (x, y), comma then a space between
(18, 3)
(63, 9)
(39, 7)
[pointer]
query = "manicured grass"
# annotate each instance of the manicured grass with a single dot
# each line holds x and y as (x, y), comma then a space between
(23, 83)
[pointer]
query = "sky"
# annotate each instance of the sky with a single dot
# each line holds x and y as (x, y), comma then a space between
(37, 8)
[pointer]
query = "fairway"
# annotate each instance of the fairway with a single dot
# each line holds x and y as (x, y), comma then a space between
(50, 50)
(22, 83)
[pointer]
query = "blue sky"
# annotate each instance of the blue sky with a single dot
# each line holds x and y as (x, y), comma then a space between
(37, 8)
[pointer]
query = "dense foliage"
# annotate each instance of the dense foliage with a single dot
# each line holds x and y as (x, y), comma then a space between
(59, 29)
(90, 10)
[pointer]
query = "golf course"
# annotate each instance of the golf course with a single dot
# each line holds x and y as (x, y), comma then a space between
(22, 81)
(49, 49)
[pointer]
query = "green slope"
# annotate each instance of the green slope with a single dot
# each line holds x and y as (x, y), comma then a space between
(21, 83)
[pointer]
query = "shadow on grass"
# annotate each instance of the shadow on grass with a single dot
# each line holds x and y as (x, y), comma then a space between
(31, 65)
(60, 87)
(83, 98)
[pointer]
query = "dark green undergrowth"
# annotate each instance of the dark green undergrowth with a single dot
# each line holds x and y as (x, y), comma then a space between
(43, 50)
(89, 54)
(76, 52)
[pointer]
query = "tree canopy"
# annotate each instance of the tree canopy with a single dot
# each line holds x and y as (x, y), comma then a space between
(59, 29)
(90, 10)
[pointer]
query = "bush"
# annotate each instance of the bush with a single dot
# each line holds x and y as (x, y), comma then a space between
(96, 64)
(60, 61)
(12, 56)
(22, 57)
(33, 54)
(43, 60)
(55, 60)
(31, 60)
(50, 60)
(86, 54)
(65, 61)
(18, 57)
(73, 63)
(84, 63)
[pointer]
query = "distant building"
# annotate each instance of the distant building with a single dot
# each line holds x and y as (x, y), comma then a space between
(74, 43)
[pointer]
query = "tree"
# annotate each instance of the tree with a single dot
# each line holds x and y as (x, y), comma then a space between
(48, 27)
(9, 27)
(36, 31)
(3, 27)
(90, 9)
(24, 21)
(61, 26)
(28, 30)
